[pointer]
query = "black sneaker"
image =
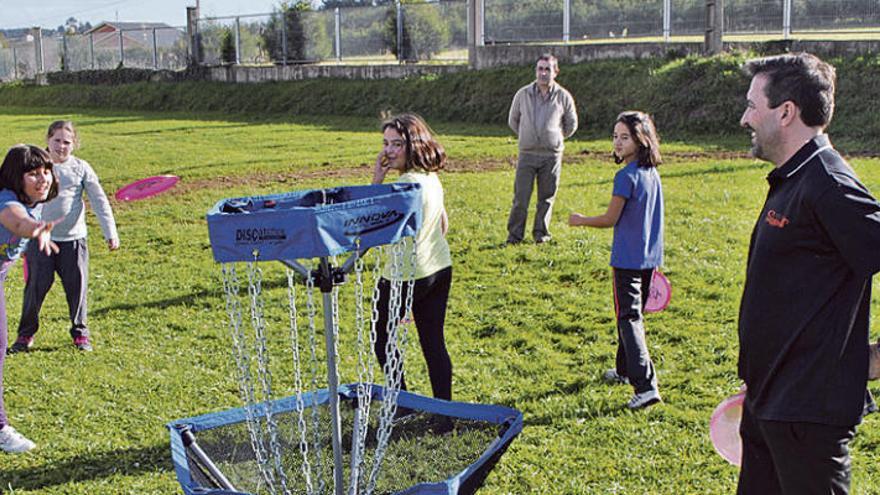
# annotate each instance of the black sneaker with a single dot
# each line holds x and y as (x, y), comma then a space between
(82, 343)
(22, 344)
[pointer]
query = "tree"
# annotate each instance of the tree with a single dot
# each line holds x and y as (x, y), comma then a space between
(227, 47)
(286, 24)
(424, 32)
(332, 4)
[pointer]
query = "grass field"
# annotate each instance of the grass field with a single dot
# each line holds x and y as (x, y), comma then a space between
(529, 327)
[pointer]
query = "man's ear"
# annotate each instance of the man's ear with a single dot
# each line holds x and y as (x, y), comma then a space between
(790, 112)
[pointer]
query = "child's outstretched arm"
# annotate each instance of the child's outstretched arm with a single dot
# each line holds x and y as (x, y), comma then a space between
(605, 220)
(17, 221)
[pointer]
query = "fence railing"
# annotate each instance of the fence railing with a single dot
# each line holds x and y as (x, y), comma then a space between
(433, 31)
(152, 48)
(514, 21)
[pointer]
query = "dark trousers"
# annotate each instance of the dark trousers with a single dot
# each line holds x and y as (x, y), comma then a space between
(631, 288)
(531, 170)
(71, 263)
(430, 296)
(793, 458)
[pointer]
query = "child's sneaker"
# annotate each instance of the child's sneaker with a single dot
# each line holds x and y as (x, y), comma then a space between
(612, 376)
(14, 442)
(82, 343)
(644, 399)
(22, 344)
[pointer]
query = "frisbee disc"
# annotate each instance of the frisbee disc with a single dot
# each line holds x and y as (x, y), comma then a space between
(145, 188)
(724, 428)
(660, 293)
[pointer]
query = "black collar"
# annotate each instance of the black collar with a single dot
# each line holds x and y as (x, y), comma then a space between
(798, 160)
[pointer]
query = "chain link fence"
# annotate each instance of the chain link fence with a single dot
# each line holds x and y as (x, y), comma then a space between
(431, 31)
(151, 48)
(516, 21)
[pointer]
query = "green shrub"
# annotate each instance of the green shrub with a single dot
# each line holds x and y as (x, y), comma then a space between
(424, 33)
(692, 95)
(227, 47)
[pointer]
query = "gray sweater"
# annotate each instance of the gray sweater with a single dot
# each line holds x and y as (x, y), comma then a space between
(542, 125)
(68, 208)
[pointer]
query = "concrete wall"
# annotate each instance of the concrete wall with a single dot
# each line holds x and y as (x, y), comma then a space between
(241, 74)
(499, 55)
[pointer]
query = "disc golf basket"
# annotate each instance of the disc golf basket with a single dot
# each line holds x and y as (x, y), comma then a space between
(345, 439)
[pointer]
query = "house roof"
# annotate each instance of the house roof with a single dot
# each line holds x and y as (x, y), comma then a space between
(126, 26)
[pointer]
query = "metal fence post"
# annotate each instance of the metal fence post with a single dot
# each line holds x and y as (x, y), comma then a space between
(65, 61)
(92, 50)
(786, 19)
(712, 42)
(14, 63)
(192, 31)
(155, 51)
(667, 20)
(399, 31)
(284, 38)
(566, 20)
(482, 22)
(338, 20)
(237, 40)
(121, 50)
(37, 33)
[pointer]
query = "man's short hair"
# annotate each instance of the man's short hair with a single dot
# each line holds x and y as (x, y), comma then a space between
(801, 78)
(549, 57)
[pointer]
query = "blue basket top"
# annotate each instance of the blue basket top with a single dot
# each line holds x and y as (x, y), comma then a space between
(313, 223)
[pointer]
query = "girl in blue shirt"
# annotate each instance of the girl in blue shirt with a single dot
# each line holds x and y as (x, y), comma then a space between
(26, 180)
(636, 213)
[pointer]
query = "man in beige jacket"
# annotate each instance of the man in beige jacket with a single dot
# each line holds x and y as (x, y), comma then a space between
(542, 115)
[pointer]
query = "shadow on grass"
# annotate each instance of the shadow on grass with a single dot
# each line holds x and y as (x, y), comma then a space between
(666, 175)
(183, 300)
(87, 467)
(86, 116)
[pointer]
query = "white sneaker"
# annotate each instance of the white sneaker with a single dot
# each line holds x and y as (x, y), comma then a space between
(612, 376)
(644, 399)
(14, 442)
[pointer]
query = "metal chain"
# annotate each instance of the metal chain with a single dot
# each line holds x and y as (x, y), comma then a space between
(316, 422)
(242, 361)
(258, 321)
(394, 350)
(300, 422)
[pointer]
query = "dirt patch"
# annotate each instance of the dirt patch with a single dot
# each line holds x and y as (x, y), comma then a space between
(363, 171)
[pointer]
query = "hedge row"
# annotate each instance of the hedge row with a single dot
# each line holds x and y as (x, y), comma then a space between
(686, 95)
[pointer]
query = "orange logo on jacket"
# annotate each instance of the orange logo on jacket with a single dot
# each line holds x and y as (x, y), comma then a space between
(776, 219)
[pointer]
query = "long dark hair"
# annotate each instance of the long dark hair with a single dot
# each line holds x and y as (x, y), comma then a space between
(643, 132)
(423, 152)
(21, 159)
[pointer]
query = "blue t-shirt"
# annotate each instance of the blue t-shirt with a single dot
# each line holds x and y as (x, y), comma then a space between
(11, 246)
(638, 234)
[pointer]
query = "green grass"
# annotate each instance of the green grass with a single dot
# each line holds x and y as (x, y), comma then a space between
(529, 327)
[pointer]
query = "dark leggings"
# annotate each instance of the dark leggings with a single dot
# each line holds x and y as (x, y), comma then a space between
(429, 312)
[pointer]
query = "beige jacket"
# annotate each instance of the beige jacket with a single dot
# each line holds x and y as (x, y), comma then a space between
(557, 123)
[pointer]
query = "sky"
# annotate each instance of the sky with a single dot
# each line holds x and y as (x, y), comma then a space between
(53, 13)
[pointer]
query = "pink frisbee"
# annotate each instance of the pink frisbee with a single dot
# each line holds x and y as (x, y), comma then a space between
(145, 188)
(724, 428)
(660, 293)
